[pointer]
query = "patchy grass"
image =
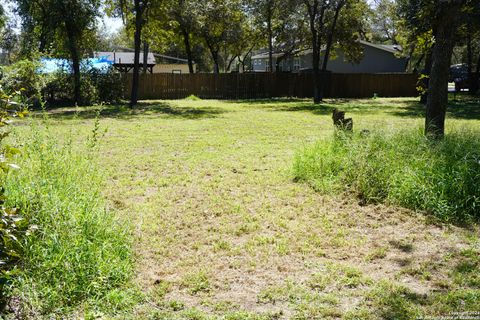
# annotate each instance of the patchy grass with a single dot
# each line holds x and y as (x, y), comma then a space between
(222, 230)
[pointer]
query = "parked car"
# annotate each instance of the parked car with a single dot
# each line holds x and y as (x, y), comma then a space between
(459, 75)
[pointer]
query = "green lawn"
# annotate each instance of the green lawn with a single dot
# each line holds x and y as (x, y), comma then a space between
(222, 229)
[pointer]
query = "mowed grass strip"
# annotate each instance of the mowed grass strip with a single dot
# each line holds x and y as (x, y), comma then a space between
(223, 230)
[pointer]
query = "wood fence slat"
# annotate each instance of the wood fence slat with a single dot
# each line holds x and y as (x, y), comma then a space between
(270, 85)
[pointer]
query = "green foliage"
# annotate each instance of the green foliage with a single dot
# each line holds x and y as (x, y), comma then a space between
(108, 85)
(13, 227)
(23, 77)
(59, 89)
(192, 97)
(80, 252)
(402, 168)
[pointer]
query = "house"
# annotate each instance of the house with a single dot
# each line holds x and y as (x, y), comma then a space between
(376, 58)
(156, 63)
(169, 64)
(123, 61)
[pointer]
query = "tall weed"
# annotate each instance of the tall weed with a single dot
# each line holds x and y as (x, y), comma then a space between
(402, 168)
(80, 251)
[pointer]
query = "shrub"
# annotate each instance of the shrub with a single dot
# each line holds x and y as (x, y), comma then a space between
(109, 85)
(13, 227)
(192, 97)
(23, 77)
(403, 168)
(80, 251)
(59, 89)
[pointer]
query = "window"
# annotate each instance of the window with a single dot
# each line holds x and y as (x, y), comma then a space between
(296, 64)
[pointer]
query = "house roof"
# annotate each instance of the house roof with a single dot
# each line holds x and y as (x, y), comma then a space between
(165, 57)
(384, 47)
(124, 57)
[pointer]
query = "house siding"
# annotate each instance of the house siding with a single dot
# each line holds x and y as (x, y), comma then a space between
(374, 60)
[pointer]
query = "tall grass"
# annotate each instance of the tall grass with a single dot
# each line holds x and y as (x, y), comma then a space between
(402, 168)
(80, 251)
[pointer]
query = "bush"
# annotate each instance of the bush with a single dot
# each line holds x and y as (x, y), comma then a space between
(23, 77)
(403, 168)
(59, 89)
(80, 251)
(13, 227)
(108, 84)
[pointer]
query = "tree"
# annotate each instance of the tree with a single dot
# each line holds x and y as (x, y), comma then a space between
(184, 13)
(220, 24)
(446, 21)
(137, 16)
(385, 22)
(323, 17)
(64, 24)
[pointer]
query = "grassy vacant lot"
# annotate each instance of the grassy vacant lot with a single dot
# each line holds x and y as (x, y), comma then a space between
(223, 230)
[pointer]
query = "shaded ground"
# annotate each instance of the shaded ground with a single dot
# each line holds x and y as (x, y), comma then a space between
(222, 229)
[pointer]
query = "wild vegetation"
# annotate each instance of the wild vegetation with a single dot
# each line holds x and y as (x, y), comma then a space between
(80, 252)
(204, 209)
(400, 168)
(224, 231)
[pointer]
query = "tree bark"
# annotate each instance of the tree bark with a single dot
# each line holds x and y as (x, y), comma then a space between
(437, 99)
(270, 35)
(136, 60)
(328, 48)
(216, 63)
(145, 56)
(427, 70)
(188, 49)
(75, 57)
(316, 29)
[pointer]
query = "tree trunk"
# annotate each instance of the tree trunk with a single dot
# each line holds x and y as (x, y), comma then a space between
(427, 71)
(316, 29)
(75, 56)
(330, 36)
(216, 63)
(188, 49)
(145, 56)
(136, 59)
(437, 99)
(317, 83)
(270, 36)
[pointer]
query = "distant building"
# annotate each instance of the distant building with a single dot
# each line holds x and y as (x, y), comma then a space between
(376, 59)
(156, 63)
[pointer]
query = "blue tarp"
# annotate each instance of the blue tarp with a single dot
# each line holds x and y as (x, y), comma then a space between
(51, 65)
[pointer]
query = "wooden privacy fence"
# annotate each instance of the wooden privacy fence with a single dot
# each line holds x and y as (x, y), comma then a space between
(270, 85)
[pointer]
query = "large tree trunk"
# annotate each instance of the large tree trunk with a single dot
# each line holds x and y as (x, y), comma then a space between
(75, 57)
(136, 59)
(427, 71)
(437, 100)
(216, 63)
(188, 49)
